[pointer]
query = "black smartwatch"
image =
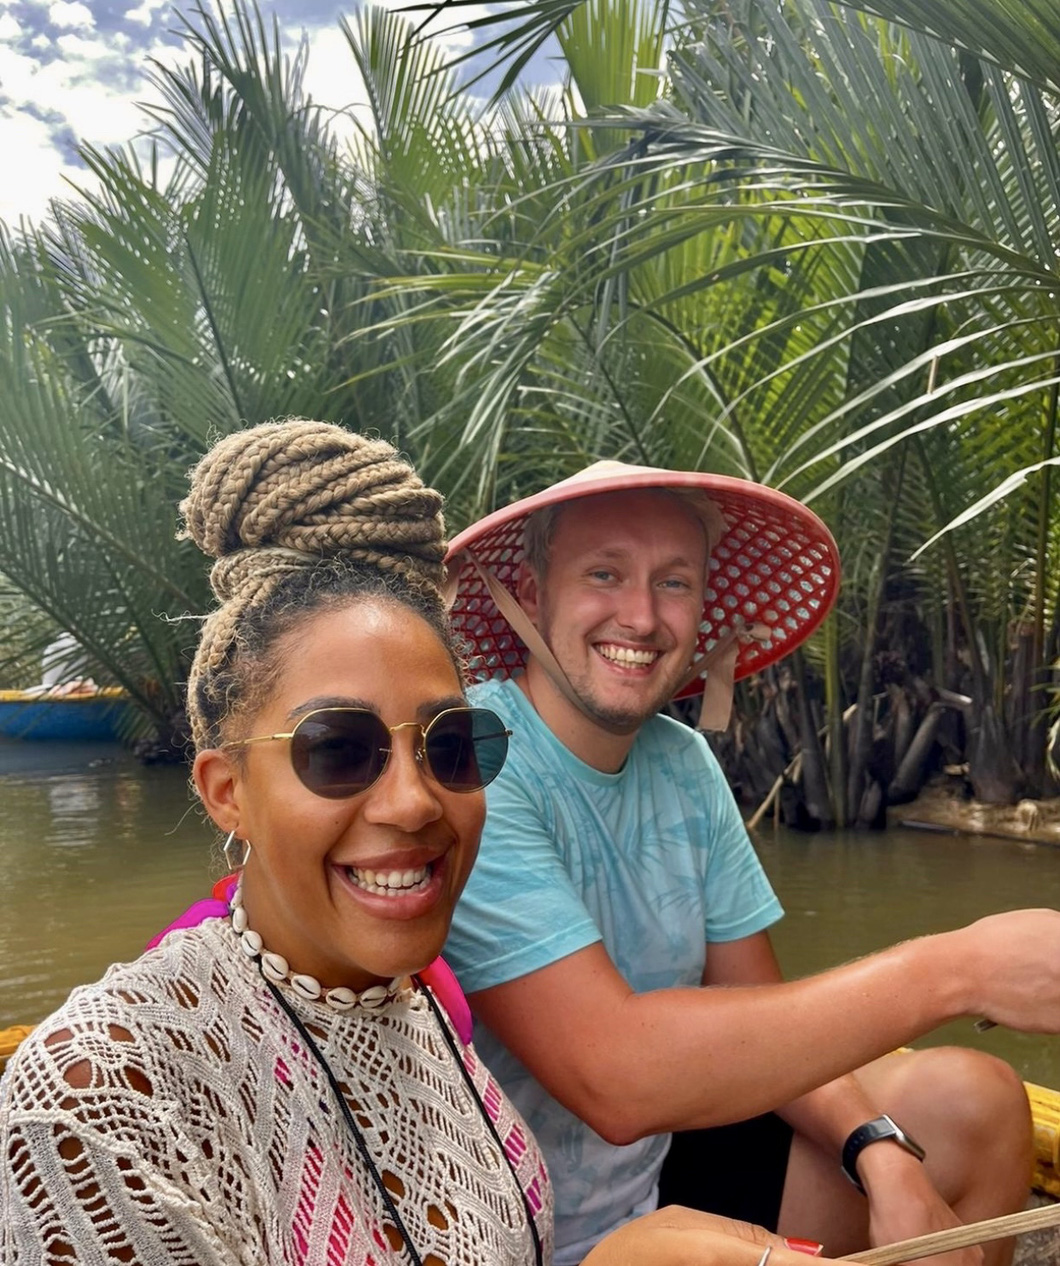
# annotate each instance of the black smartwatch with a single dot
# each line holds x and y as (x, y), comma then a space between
(873, 1132)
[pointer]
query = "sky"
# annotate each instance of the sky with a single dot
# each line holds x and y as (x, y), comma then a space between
(76, 71)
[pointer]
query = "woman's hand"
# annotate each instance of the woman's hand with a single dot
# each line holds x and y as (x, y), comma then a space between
(675, 1236)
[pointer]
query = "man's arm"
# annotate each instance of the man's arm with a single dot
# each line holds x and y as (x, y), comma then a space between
(637, 1064)
(903, 1200)
(828, 1114)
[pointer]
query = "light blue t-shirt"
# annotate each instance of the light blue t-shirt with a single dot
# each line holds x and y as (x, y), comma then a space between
(654, 861)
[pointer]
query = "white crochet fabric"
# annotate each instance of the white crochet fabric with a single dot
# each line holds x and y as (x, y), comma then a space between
(171, 1114)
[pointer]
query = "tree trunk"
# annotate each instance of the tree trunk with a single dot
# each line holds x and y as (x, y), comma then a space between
(837, 748)
(905, 726)
(814, 775)
(1026, 740)
(872, 812)
(787, 705)
(909, 778)
(995, 776)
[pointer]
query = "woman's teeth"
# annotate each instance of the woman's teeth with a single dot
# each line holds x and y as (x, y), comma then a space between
(390, 883)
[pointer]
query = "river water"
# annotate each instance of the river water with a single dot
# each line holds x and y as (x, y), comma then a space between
(97, 853)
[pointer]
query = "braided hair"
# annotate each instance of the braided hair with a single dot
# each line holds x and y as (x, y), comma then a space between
(301, 516)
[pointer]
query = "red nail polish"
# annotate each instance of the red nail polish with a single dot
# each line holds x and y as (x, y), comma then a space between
(810, 1247)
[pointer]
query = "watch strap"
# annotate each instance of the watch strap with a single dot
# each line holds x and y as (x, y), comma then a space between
(874, 1131)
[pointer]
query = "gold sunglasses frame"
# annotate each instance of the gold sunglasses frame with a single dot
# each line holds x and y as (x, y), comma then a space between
(419, 751)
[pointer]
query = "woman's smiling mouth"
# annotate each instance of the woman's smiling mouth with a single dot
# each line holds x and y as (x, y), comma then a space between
(391, 883)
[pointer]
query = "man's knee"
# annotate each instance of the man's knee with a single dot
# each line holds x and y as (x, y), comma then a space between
(970, 1094)
(970, 1111)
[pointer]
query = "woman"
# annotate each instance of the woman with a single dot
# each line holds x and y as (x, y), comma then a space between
(283, 1084)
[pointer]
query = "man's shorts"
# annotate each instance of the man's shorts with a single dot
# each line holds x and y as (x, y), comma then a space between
(735, 1170)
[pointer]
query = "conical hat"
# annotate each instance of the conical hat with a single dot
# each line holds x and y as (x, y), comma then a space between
(773, 572)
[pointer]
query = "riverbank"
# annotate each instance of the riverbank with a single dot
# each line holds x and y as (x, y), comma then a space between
(941, 807)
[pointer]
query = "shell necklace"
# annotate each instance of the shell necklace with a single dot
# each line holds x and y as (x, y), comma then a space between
(277, 971)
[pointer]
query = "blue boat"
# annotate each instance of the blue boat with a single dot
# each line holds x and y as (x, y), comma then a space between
(90, 716)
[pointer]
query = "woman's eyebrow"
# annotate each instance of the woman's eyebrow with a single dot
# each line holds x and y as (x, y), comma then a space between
(425, 712)
(428, 711)
(330, 701)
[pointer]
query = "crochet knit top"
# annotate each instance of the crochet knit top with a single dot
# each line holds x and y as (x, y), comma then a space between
(171, 1114)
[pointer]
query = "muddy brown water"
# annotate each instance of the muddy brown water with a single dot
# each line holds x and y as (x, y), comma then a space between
(97, 853)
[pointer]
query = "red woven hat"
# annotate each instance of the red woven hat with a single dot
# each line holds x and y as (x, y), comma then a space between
(773, 572)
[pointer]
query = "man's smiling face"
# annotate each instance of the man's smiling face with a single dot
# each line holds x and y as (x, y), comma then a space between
(620, 602)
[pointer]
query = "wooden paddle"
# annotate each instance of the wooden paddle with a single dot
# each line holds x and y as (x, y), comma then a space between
(958, 1237)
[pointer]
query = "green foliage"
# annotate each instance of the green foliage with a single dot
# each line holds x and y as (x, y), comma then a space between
(823, 256)
(798, 242)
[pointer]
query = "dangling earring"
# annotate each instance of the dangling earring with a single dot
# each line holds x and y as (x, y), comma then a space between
(227, 851)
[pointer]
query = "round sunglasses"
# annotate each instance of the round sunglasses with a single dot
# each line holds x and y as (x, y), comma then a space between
(340, 752)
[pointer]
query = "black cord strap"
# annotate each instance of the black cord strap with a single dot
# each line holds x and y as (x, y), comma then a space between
(358, 1135)
(355, 1130)
(477, 1098)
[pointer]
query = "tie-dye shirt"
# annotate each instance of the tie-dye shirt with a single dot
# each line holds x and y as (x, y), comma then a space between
(654, 861)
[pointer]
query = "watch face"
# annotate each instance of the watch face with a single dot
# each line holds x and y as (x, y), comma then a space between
(882, 1127)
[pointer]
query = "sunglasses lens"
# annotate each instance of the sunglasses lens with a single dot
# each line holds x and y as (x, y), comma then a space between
(339, 753)
(466, 748)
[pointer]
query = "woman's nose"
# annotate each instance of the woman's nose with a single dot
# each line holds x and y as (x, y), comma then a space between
(404, 795)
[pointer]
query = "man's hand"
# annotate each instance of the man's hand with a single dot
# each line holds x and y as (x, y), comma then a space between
(904, 1203)
(1012, 958)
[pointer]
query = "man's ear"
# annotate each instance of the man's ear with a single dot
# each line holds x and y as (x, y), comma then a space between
(528, 591)
(217, 782)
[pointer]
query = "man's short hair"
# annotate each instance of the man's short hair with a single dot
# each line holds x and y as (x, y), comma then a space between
(540, 529)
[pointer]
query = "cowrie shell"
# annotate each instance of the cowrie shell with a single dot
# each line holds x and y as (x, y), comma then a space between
(274, 967)
(341, 998)
(306, 987)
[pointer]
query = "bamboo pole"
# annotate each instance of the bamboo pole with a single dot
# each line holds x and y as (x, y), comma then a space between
(760, 812)
(958, 1237)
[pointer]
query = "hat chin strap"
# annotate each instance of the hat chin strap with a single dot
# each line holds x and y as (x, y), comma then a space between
(719, 663)
(520, 623)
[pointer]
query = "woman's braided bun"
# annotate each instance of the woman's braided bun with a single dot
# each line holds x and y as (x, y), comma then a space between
(310, 489)
(296, 497)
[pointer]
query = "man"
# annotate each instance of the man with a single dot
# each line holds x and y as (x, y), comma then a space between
(613, 935)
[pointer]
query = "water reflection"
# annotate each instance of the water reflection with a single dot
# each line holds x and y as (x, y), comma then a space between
(74, 804)
(97, 853)
(847, 895)
(95, 857)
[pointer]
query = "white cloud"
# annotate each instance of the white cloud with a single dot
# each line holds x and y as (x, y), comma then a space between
(71, 87)
(171, 56)
(26, 147)
(83, 94)
(86, 92)
(72, 14)
(332, 78)
(452, 36)
(145, 12)
(76, 48)
(17, 74)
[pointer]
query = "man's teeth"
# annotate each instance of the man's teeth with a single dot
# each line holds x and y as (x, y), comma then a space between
(390, 883)
(626, 655)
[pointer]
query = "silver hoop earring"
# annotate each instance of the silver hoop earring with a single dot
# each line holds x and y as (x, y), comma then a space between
(227, 851)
